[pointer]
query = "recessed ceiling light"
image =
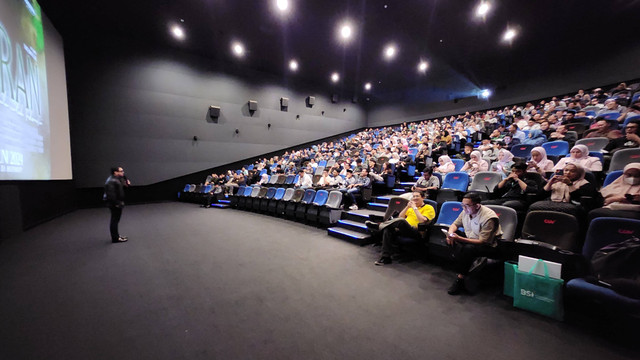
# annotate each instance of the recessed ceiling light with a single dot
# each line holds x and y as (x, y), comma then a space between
(485, 93)
(390, 52)
(509, 35)
(293, 65)
(482, 9)
(238, 49)
(367, 86)
(345, 31)
(335, 77)
(177, 32)
(282, 5)
(423, 66)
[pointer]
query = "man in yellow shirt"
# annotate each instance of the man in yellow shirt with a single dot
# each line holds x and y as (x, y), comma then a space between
(416, 212)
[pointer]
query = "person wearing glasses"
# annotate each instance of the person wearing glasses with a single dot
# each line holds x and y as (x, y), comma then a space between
(631, 138)
(482, 232)
(114, 197)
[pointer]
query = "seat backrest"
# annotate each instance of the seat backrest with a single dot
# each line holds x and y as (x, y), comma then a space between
(608, 230)
(247, 191)
(263, 171)
(396, 205)
(281, 179)
(630, 119)
(459, 163)
(485, 181)
(413, 151)
(623, 157)
(456, 180)
(449, 212)
(579, 128)
(321, 197)
(272, 179)
(280, 193)
(289, 179)
(309, 194)
(611, 177)
(186, 188)
(330, 163)
(315, 179)
(522, 151)
(594, 144)
(297, 195)
(610, 116)
(255, 191)
(556, 148)
(508, 220)
(552, 227)
(288, 194)
(322, 163)
(207, 188)
(271, 192)
(192, 188)
(319, 170)
(335, 199)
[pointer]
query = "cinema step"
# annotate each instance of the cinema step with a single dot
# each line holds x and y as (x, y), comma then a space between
(352, 236)
(353, 225)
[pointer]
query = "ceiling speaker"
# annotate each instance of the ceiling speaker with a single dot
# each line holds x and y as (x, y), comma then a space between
(253, 105)
(214, 112)
(311, 100)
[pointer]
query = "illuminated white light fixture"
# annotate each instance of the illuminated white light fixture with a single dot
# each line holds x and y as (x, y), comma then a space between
(485, 93)
(335, 77)
(423, 66)
(177, 32)
(345, 31)
(293, 65)
(483, 9)
(390, 52)
(509, 35)
(282, 5)
(367, 86)
(238, 49)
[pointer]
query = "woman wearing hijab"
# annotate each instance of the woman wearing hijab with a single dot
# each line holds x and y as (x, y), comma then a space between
(536, 137)
(446, 165)
(580, 156)
(476, 164)
(565, 191)
(622, 196)
(539, 162)
(504, 163)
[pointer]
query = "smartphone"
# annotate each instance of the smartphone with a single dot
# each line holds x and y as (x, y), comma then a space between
(445, 232)
(560, 172)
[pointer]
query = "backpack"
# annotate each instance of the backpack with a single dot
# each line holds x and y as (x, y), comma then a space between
(617, 265)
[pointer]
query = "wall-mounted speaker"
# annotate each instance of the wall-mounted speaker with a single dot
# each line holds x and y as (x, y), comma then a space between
(284, 102)
(311, 100)
(214, 112)
(253, 105)
(334, 98)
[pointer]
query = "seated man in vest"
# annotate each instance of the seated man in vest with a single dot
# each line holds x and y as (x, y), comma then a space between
(416, 212)
(482, 231)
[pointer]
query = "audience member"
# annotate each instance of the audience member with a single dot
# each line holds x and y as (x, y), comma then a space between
(622, 196)
(539, 162)
(580, 156)
(446, 165)
(476, 164)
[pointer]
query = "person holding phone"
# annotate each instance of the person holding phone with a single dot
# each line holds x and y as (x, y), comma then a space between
(482, 232)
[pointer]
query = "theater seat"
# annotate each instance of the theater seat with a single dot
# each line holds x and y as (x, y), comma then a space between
(282, 204)
(622, 157)
(453, 187)
(552, 228)
(449, 212)
(312, 209)
(277, 197)
(331, 212)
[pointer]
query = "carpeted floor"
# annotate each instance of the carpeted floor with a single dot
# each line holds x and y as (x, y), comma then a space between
(198, 283)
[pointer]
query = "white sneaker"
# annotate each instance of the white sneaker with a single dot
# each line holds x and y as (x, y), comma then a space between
(353, 207)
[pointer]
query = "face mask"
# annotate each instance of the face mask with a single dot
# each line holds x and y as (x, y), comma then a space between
(629, 180)
(468, 210)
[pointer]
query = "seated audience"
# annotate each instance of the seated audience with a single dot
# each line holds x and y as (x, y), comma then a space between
(416, 212)
(362, 182)
(562, 133)
(565, 190)
(424, 184)
(622, 196)
(446, 165)
(539, 162)
(512, 191)
(604, 130)
(305, 180)
(476, 164)
(536, 138)
(580, 156)
(504, 163)
(631, 139)
(482, 232)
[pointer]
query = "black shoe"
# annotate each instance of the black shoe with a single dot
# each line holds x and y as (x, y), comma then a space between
(120, 240)
(385, 260)
(457, 287)
(373, 226)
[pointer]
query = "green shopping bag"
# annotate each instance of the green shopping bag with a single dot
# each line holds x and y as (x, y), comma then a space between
(510, 268)
(539, 294)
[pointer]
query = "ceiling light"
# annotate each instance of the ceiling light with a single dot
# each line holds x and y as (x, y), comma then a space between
(345, 31)
(485, 93)
(482, 9)
(335, 77)
(293, 65)
(509, 35)
(423, 66)
(177, 32)
(238, 49)
(367, 86)
(282, 5)
(390, 52)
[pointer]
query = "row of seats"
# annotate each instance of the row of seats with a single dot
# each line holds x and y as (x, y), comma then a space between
(316, 207)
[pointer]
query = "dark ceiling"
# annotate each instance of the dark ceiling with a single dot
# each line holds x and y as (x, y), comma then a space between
(465, 54)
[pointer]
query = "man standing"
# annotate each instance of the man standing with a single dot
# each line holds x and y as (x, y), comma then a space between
(114, 196)
(416, 212)
(482, 231)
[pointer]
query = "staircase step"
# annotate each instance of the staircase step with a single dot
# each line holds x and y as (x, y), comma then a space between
(220, 206)
(353, 225)
(351, 236)
(399, 191)
(377, 206)
(408, 183)
(224, 201)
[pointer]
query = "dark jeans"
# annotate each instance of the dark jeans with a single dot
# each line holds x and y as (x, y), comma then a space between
(465, 255)
(116, 213)
(391, 233)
